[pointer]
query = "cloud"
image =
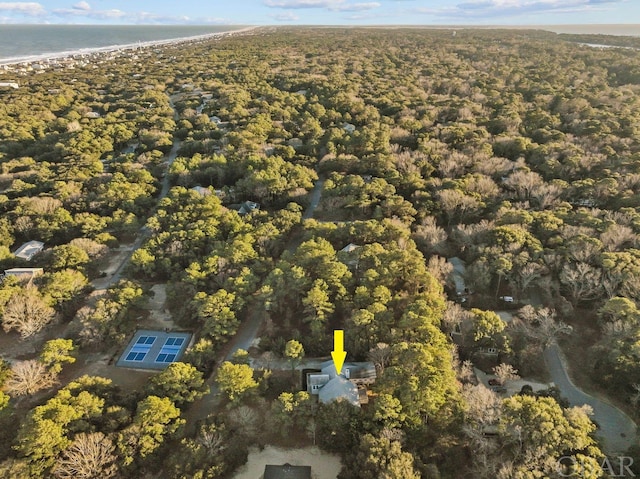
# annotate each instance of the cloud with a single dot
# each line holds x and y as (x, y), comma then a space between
(23, 8)
(301, 3)
(82, 6)
(356, 7)
(332, 5)
(83, 10)
(285, 17)
(504, 8)
(77, 11)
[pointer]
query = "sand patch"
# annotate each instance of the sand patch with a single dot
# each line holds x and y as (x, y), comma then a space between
(323, 465)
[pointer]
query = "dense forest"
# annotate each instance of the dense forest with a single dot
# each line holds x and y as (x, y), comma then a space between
(237, 172)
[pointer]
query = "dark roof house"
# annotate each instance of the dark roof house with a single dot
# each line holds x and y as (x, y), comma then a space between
(287, 471)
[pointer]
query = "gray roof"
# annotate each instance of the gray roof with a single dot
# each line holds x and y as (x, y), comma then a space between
(247, 207)
(339, 388)
(350, 247)
(356, 370)
(287, 471)
(315, 379)
(29, 250)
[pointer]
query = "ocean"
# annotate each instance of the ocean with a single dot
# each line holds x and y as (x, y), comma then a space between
(24, 41)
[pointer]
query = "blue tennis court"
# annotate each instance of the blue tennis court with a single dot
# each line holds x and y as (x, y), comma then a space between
(170, 350)
(154, 349)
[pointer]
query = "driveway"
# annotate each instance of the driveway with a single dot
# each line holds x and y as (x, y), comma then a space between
(616, 429)
(314, 199)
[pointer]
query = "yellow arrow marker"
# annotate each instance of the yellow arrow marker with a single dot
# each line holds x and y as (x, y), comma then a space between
(338, 354)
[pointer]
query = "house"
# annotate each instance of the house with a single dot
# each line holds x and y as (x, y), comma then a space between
(247, 207)
(457, 275)
(287, 471)
(23, 274)
(295, 142)
(201, 190)
(350, 248)
(29, 250)
(349, 256)
(349, 386)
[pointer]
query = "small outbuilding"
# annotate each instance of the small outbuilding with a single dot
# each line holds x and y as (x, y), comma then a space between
(247, 207)
(287, 471)
(29, 250)
(24, 274)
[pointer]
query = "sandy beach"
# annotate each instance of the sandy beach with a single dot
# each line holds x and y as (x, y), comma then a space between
(87, 52)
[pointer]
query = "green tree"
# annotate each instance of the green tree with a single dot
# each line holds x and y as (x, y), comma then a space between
(380, 457)
(486, 324)
(294, 351)
(68, 256)
(236, 379)
(155, 419)
(180, 382)
(55, 353)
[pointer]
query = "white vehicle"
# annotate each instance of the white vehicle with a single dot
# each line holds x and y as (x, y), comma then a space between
(507, 299)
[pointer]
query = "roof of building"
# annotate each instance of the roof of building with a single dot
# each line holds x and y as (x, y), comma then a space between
(339, 388)
(29, 250)
(350, 247)
(248, 206)
(317, 379)
(352, 369)
(202, 190)
(287, 471)
(25, 271)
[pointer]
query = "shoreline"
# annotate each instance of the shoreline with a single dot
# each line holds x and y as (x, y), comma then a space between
(82, 52)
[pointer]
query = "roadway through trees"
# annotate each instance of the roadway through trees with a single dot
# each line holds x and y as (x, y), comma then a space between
(616, 428)
(244, 338)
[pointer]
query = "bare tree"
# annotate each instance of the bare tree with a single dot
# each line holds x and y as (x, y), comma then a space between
(456, 204)
(90, 456)
(212, 440)
(617, 236)
(27, 313)
(541, 325)
(380, 356)
(523, 183)
(527, 275)
(245, 419)
(431, 237)
(505, 372)
(483, 405)
(582, 281)
(29, 377)
(547, 194)
(453, 317)
(440, 268)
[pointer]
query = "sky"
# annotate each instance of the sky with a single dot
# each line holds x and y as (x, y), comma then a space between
(323, 12)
